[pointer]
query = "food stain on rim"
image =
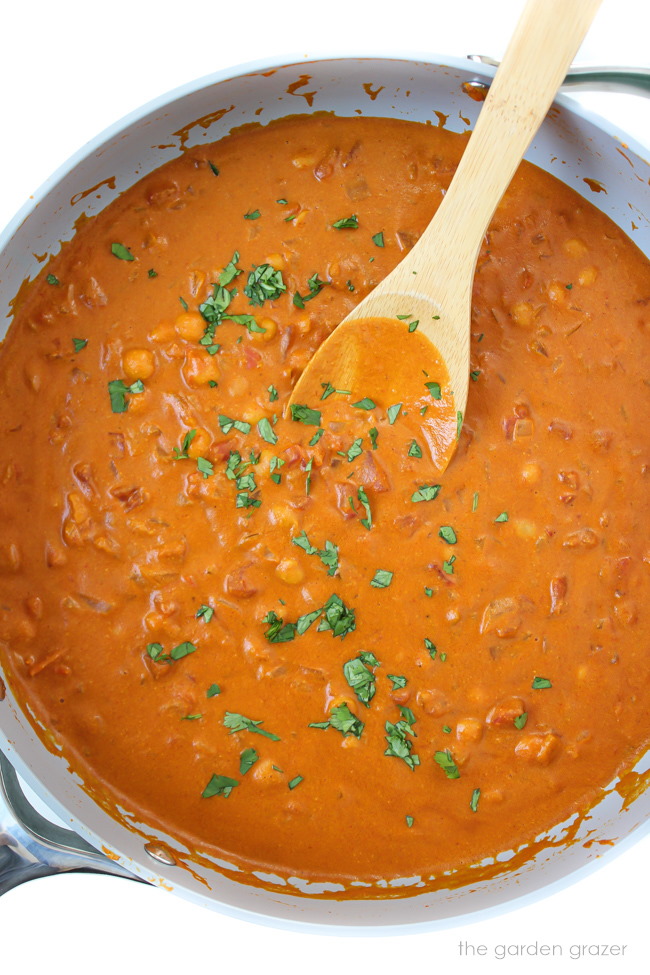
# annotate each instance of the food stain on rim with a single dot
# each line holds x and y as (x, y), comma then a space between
(205, 121)
(594, 185)
(303, 80)
(110, 182)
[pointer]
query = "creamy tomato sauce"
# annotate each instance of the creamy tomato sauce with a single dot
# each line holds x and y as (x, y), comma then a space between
(288, 639)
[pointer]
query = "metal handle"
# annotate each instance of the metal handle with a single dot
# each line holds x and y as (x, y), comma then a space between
(31, 846)
(630, 81)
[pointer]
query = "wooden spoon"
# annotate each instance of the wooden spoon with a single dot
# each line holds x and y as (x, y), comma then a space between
(433, 283)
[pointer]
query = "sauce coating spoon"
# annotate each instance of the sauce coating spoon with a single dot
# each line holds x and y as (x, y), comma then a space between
(432, 285)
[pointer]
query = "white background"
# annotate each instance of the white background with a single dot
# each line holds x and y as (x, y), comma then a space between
(69, 69)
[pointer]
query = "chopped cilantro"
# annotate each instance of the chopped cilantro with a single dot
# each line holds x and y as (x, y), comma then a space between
(328, 389)
(264, 284)
(448, 534)
(427, 492)
(342, 719)
(381, 579)
(219, 785)
(414, 449)
(156, 652)
(355, 450)
(337, 617)
(205, 466)
(363, 498)
(541, 683)
(431, 647)
(122, 252)
(247, 759)
(315, 286)
(398, 681)
(266, 431)
(117, 391)
(361, 679)
(314, 440)
(328, 555)
(393, 412)
(446, 762)
(238, 722)
(227, 424)
(347, 223)
(399, 745)
(187, 440)
(305, 414)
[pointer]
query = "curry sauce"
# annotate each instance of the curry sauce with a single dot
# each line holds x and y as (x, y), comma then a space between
(286, 637)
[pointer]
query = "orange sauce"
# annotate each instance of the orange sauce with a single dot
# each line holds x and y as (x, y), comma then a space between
(290, 641)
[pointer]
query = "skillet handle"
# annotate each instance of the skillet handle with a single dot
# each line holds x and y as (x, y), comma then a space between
(630, 81)
(31, 846)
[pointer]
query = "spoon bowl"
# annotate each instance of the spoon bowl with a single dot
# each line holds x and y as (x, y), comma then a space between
(431, 288)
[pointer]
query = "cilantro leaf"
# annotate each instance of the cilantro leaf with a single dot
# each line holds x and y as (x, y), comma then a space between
(238, 722)
(117, 391)
(427, 492)
(219, 785)
(305, 414)
(347, 223)
(265, 283)
(122, 252)
(361, 679)
(247, 759)
(446, 762)
(381, 579)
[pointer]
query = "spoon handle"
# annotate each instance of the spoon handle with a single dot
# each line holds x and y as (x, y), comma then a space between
(534, 65)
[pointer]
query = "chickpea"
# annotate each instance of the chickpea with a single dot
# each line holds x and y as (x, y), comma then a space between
(525, 528)
(162, 333)
(200, 445)
(264, 772)
(290, 571)
(200, 368)
(575, 247)
(270, 327)
(303, 325)
(190, 325)
(556, 291)
(587, 276)
(239, 385)
(469, 730)
(138, 364)
(523, 314)
(304, 161)
(531, 473)
(283, 516)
